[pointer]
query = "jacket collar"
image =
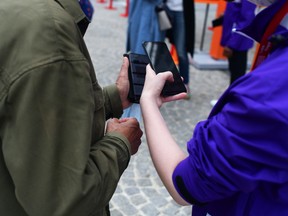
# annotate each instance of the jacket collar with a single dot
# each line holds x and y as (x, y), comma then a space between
(74, 9)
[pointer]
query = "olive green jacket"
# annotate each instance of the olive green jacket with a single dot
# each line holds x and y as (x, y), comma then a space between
(54, 157)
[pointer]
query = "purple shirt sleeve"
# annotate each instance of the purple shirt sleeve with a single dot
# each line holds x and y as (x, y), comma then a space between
(244, 140)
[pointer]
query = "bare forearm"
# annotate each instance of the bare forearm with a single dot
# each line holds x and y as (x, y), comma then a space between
(165, 152)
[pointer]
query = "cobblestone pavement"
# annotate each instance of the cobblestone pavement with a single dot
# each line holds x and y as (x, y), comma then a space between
(140, 191)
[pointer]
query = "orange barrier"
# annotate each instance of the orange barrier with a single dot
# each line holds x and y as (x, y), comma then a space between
(216, 50)
(125, 14)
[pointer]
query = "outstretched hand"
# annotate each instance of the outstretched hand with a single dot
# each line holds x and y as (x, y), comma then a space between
(164, 151)
(153, 86)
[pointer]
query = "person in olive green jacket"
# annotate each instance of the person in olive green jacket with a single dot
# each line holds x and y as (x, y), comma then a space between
(56, 158)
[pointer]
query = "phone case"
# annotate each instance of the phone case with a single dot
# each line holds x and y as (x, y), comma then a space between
(136, 73)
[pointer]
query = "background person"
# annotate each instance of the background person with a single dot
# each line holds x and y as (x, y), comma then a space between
(238, 14)
(142, 26)
(182, 34)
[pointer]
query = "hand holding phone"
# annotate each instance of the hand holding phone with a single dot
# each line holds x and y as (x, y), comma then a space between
(161, 61)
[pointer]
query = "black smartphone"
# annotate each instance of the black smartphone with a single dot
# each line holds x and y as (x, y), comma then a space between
(161, 60)
(136, 73)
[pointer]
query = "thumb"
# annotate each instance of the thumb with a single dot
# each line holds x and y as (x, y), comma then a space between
(124, 66)
(149, 71)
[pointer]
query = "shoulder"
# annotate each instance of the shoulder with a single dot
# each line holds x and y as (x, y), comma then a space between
(37, 33)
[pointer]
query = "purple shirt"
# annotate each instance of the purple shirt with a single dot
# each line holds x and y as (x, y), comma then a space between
(238, 157)
(237, 15)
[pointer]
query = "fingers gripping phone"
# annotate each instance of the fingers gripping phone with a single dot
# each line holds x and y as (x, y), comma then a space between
(136, 74)
(161, 61)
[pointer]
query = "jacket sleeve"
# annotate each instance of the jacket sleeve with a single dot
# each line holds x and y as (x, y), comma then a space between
(48, 146)
(113, 104)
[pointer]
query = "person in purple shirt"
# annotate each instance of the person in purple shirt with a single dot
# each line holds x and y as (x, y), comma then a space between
(237, 162)
(238, 14)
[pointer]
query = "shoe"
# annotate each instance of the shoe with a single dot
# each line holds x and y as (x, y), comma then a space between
(213, 102)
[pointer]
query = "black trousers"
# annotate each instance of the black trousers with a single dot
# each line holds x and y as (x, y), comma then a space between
(237, 64)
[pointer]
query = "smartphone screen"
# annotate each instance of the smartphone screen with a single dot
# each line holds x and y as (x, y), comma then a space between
(162, 61)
